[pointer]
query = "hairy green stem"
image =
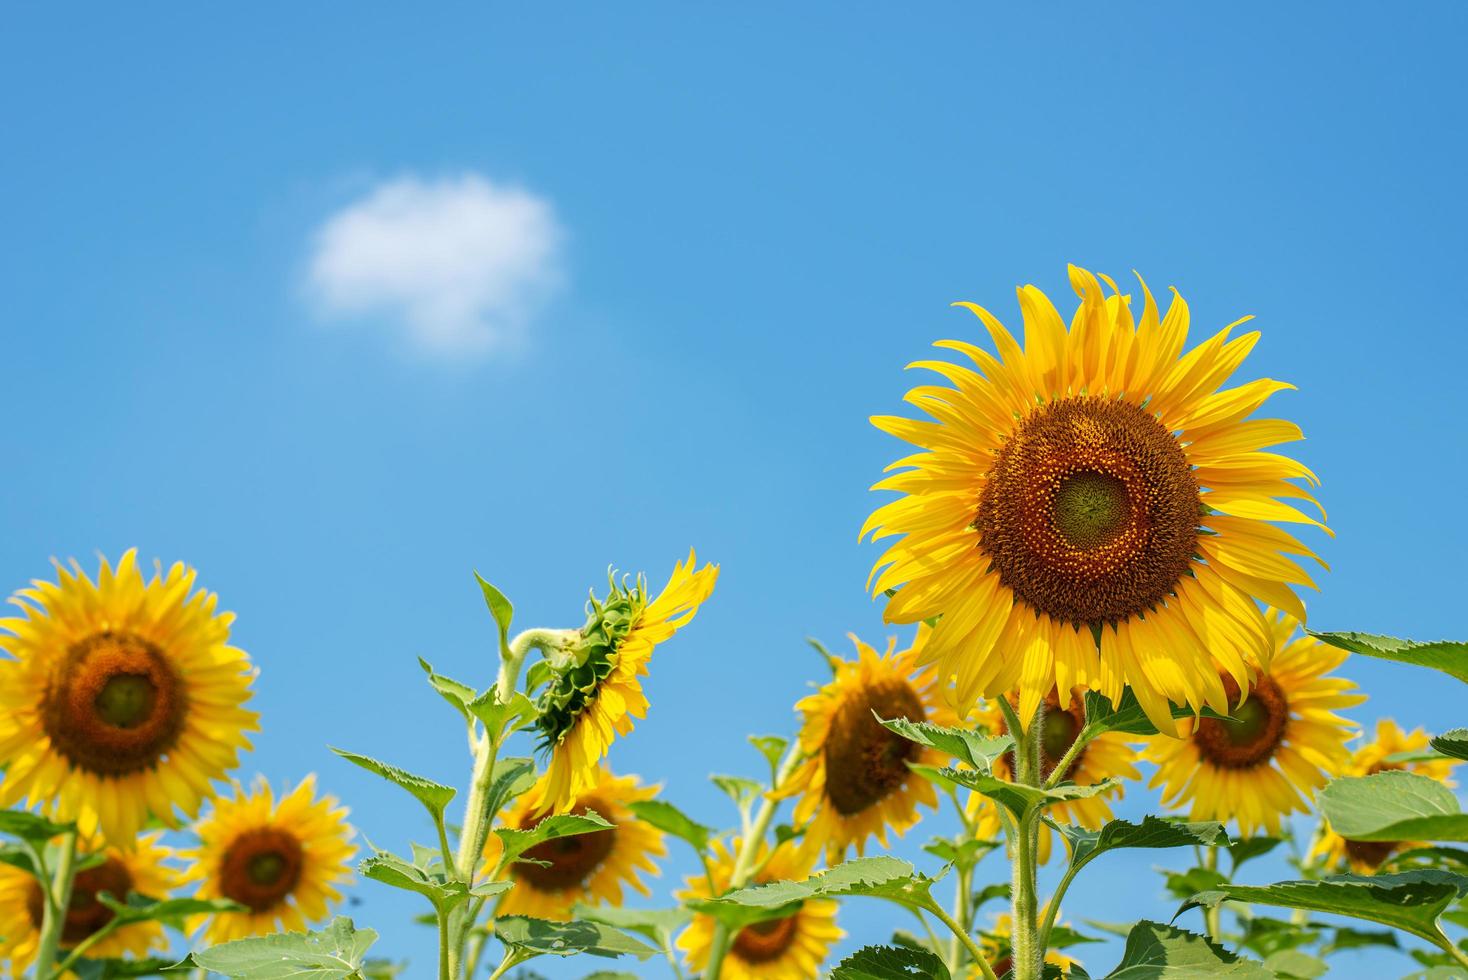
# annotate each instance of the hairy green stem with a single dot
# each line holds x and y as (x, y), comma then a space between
(965, 938)
(58, 900)
(1028, 954)
(1212, 915)
(744, 861)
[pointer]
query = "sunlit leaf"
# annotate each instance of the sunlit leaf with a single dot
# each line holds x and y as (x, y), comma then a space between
(1453, 743)
(517, 842)
(511, 777)
(1448, 656)
(1158, 952)
(772, 747)
(890, 963)
(567, 938)
(659, 925)
(1295, 964)
(975, 748)
(454, 692)
(334, 953)
(1017, 798)
(1249, 848)
(667, 817)
(878, 877)
(434, 796)
(1151, 833)
(30, 826)
(389, 869)
(1393, 806)
(500, 608)
(499, 716)
(739, 789)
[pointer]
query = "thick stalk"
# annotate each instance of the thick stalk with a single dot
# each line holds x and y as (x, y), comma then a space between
(744, 862)
(58, 900)
(1024, 937)
(477, 817)
(966, 939)
(1212, 916)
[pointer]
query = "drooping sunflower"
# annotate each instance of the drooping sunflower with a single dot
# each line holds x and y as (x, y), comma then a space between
(856, 782)
(1111, 755)
(997, 947)
(1284, 742)
(283, 861)
(142, 868)
(792, 948)
(1373, 757)
(594, 694)
(591, 867)
(121, 698)
(1092, 508)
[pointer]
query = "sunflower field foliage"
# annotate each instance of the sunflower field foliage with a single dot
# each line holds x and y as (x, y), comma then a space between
(1094, 548)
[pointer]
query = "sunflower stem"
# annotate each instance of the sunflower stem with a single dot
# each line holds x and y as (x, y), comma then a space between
(968, 943)
(1212, 917)
(744, 861)
(58, 900)
(1025, 948)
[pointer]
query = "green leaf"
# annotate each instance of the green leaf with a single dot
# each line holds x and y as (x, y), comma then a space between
(511, 778)
(1410, 901)
(454, 692)
(517, 842)
(668, 818)
(30, 826)
(890, 963)
(1017, 798)
(1432, 856)
(659, 925)
(106, 969)
(1294, 964)
(974, 748)
(1248, 848)
(602, 975)
(1266, 936)
(1453, 743)
(739, 789)
(334, 953)
(1152, 832)
(878, 877)
(500, 609)
(1158, 952)
(1126, 716)
(434, 796)
(1186, 884)
(1347, 938)
(1393, 806)
(381, 969)
(1448, 656)
(567, 938)
(772, 747)
(140, 908)
(963, 855)
(389, 869)
(516, 713)
(996, 891)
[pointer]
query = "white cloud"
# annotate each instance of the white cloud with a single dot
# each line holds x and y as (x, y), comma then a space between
(462, 263)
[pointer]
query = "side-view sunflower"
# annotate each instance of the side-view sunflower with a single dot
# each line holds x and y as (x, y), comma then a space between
(1373, 757)
(591, 868)
(855, 782)
(283, 861)
(1111, 755)
(1092, 509)
(792, 948)
(1283, 743)
(121, 698)
(594, 694)
(142, 868)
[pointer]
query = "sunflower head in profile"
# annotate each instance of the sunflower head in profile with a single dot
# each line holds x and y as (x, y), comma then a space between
(593, 691)
(790, 948)
(141, 869)
(283, 860)
(856, 782)
(1093, 508)
(1377, 755)
(592, 868)
(120, 698)
(1111, 755)
(1284, 739)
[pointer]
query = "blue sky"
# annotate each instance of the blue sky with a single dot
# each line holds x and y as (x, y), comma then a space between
(755, 217)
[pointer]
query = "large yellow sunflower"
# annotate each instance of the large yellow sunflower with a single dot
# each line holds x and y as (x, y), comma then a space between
(1284, 743)
(1111, 755)
(588, 867)
(123, 698)
(1092, 509)
(792, 948)
(594, 695)
(1372, 757)
(141, 869)
(283, 861)
(856, 782)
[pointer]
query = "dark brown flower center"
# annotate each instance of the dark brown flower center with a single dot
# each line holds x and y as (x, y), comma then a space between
(1091, 510)
(85, 915)
(114, 705)
(765, 941)
(261, 868)
(865, 762)
(1253, 734)
(569, 861)
(1371, 853)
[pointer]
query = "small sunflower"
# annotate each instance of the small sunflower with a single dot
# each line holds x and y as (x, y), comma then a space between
(587, 867)
(1284, 743)
(1092, 509)
(123, 698)
(283, 861)
(792, 948)
(595, 693)
(1111, 755)
(855, 782)
(141, 869)
(997, 947)
(1373, 757)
